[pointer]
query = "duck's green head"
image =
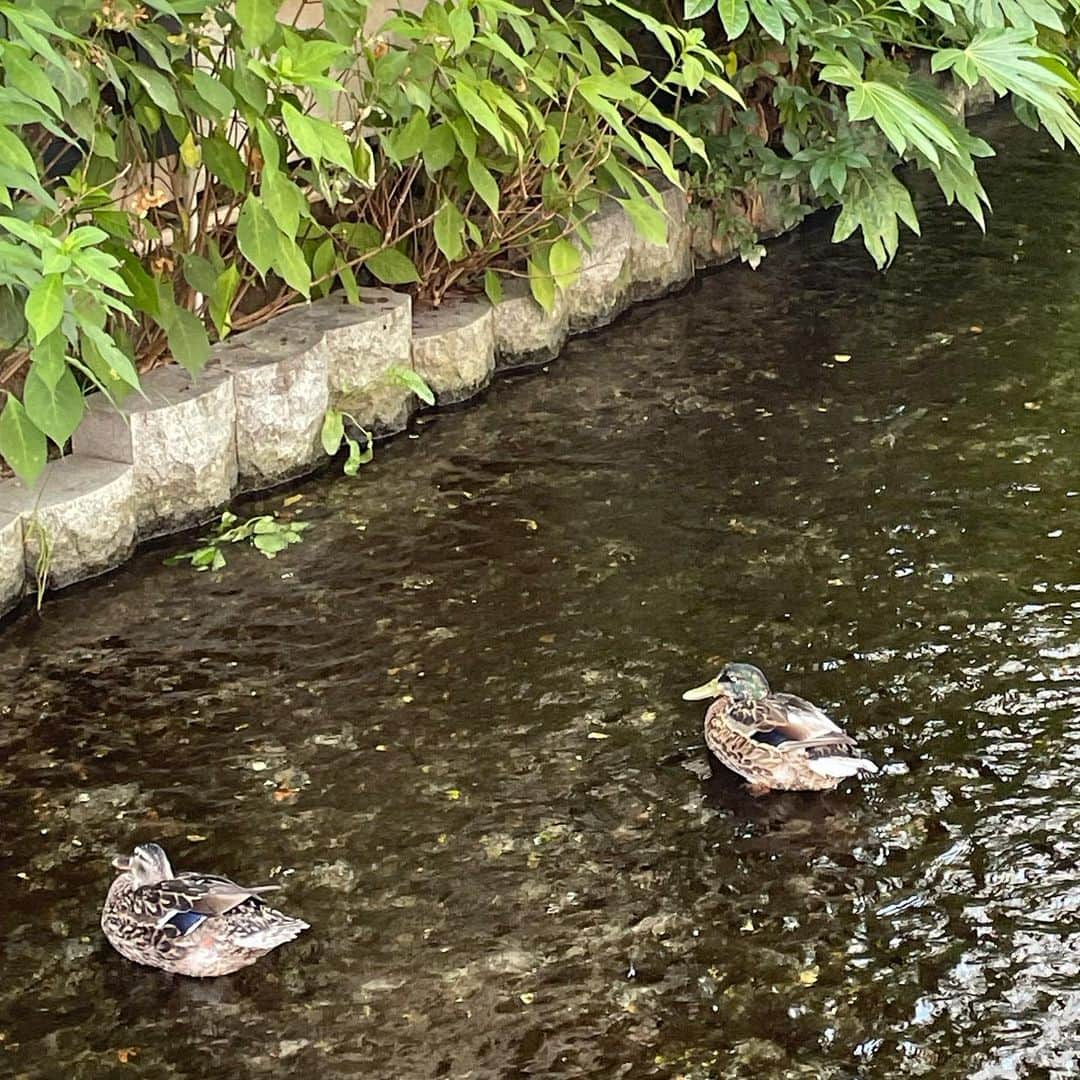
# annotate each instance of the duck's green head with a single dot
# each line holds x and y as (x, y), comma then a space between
(148, 865)
(734, 680)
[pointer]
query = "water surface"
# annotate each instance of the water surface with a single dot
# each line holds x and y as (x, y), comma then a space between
(449, 723)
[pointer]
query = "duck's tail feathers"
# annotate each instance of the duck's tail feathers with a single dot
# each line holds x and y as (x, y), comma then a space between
(841, 767)
(274, 933)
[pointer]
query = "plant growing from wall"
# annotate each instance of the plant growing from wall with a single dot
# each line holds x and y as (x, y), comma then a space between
(838, 95)
(170, 174)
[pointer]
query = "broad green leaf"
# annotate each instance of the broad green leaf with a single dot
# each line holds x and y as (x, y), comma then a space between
(257, 235)
(564, 262)
(694, 9)
(542, 286)
(22, 443)
(103, 353)
(411, 380)
(440, 148)
(221, 300)
(188, 343)
(358, 457)
(224, 162)
(408, 141)
(768, 18)
(214, 93)
(392, 267)
(450, 231)
(484, 184)
(49, 358)
(493, 286)
(45, 306)
(735, 16)
(547, 149)
(158, 87)
(55, 409)
(461, 27)
(23, 74)
(290, 263)
(650, 223)
(474, 106)
(333, 431)
(258, 21)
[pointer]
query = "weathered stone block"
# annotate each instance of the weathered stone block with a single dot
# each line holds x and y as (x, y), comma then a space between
(81, 513)
(12, 560)
(979, 98)
(656, 269)
(180, 435)
(454, 349)
(363, 345)
(601, 291)
(279, 374)
(525, 334)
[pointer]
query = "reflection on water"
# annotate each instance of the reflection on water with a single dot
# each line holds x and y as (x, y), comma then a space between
(449, 724)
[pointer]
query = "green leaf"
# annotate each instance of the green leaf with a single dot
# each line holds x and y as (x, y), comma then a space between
(224, 162)
(461, 27)
(411, 380)
(450, 231)
(257, 236)
(158, 87)
(694, 9)
(440, 148)
(735, 16)
(22, 443)
(542, 286)
(769, 19)
(564, 262)
(214, 93)
(333, 431)
(45, 306)
(258, 21)
(221, 300)
(49, 358)
(474, 107)
(188, 342)
(649, 222)
(106, 359)
(357, 457)
(55, 409)
(290, 263)
(484, 184)
(547, 148)
(411, 139)
(493, 286)
(392, 267)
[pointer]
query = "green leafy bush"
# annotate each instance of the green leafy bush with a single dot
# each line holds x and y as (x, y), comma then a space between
(171, 173)
(837, 95)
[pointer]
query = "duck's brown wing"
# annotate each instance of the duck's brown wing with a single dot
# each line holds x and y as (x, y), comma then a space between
(190, 894)
(789, 723)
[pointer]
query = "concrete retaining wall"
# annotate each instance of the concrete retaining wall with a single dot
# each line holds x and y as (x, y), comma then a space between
(173, 456)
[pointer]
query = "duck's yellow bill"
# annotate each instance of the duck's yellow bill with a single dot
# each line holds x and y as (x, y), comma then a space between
(707, 690)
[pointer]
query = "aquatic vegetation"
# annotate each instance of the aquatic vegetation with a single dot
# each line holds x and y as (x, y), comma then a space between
(267, 534)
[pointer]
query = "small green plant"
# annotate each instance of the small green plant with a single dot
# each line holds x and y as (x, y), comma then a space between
(334, 432)
(265, 532)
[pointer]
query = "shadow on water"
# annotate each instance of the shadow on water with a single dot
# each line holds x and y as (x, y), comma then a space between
(450, 725)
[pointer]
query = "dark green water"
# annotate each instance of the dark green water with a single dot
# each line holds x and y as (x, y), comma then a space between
(449, 723)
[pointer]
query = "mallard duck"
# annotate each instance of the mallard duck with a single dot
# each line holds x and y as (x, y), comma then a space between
(187, 923)
(776, 741)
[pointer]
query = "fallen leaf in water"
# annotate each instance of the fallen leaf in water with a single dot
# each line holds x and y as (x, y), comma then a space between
(1032, 406)
(529, 524)
(527, 999)
(809, 975)
(976, 329)
(747, 926)
(842, 358)
(125, 1054)
(283, 793)
(547, 639)
(195, 838)
(598, 735)
(453, 794)
(291, 500)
